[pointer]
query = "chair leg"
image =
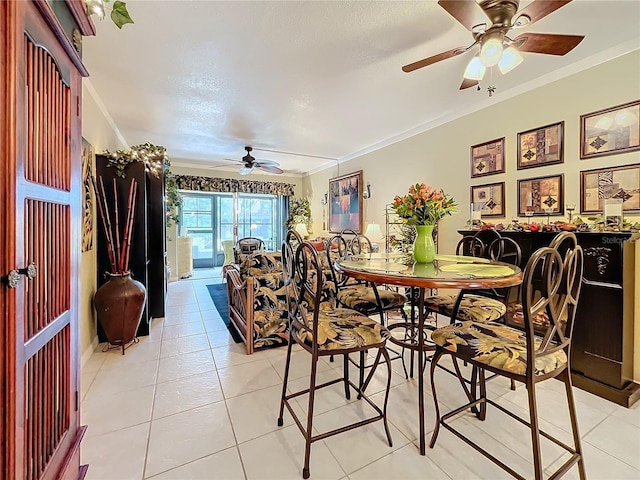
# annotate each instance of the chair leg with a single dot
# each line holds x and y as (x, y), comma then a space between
(345, 376)
(513, 384)
(309, 432)
(434, 362)
(363, 356)
(478, 380)
(284, 381)
(535, 431)
(385, 353)
(566, 378)
(483, 393)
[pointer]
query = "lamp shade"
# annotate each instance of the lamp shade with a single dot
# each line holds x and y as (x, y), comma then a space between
(373, 232)
(491, 51)
(475, 69)
(301, 228)
(511, 58)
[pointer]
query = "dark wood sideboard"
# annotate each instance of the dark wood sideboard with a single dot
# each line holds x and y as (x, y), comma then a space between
(602, 348)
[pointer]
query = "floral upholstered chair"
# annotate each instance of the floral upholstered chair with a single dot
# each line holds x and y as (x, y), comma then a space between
(258, 300)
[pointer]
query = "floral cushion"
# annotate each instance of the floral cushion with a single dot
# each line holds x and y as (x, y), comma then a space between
(495, 344)
(258, 263)
(270, 311)
(475, 308)
(343, 328)
(362, 298)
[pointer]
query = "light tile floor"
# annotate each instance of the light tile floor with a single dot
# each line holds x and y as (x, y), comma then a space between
(188, 403)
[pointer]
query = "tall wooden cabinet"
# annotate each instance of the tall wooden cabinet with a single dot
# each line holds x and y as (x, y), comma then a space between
(148, 244)
(40, 212)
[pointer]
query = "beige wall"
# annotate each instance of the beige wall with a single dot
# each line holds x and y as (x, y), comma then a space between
(440, 156)
(99, 133)
(207, 172)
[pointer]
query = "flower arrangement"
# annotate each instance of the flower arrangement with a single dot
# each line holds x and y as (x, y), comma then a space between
(423, 205)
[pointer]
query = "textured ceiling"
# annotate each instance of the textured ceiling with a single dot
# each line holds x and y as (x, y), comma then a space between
(321, 79)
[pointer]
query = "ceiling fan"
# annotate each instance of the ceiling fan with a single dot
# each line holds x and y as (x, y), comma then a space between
(249, 163)
(490, 21)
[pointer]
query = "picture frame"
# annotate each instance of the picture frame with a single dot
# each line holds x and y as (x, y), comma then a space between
(610, 131)
(541, 193)
(489, 199)
(623, 182)
(488, 158)
(541, 146)
(345, 202)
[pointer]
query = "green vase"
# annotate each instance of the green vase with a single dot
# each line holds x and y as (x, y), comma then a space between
(424, 250)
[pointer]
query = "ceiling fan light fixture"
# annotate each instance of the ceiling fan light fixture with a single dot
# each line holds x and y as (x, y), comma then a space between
(491, 51)
(475, 69)
(246, 170)
(511, 58)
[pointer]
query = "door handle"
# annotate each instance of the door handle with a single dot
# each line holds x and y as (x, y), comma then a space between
(13, 276)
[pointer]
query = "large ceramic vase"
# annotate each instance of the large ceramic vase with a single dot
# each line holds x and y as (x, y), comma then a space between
(119, 304)
(424, 250)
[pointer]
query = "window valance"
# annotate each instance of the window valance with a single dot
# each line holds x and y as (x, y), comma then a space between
(211, 184)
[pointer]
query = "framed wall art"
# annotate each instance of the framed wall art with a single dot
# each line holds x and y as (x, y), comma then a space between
(541, 196)
(597, 186)
(87, 202)
(489, 199)
(610, 131)
(541, 146)
(487, 158)
(345, 202)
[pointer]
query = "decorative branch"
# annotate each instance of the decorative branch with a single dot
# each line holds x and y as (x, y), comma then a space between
(118, 246)
(117, 217)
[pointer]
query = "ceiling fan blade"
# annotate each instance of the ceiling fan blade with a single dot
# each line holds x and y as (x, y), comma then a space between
(466, 83)
(434, 59)
(467, 12)
(269, 168)
(267, 162)
(231, 160)
(547, 43)
(539, 9)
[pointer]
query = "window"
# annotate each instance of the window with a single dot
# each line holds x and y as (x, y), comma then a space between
(210, 218)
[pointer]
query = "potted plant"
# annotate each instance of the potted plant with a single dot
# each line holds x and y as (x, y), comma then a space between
(300, 212)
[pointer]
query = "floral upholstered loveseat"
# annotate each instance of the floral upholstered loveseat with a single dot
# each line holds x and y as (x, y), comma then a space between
(258, 300)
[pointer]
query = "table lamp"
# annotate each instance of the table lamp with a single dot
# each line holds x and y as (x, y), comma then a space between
(374, 234)
(301, 228)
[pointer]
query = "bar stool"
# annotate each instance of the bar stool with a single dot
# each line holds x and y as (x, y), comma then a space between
(551, 286)
(322, 328)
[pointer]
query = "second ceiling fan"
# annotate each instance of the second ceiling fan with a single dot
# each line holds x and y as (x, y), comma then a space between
(496, 47)
(249, 163)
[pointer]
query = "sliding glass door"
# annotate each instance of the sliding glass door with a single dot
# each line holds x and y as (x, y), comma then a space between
(211, 218)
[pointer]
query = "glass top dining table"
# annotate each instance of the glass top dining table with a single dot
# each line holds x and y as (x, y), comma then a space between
(446, 271)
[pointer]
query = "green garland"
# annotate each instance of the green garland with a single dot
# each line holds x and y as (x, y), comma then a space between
(156, 160)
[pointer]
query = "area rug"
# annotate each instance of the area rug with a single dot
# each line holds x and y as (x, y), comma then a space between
(219, 296)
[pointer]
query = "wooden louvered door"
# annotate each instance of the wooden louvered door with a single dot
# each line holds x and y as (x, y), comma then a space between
(40, 181)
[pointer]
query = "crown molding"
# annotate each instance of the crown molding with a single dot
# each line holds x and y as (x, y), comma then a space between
(577, 67)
